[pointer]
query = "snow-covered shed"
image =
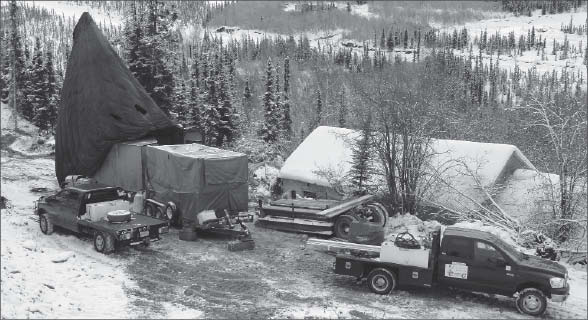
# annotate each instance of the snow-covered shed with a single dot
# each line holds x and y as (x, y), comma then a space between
(460, 168)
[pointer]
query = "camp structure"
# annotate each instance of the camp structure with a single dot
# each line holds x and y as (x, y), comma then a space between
(458, 171)
(193, 177)
(102, 104)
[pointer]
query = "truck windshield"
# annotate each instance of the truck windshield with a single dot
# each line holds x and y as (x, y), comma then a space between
(510, 250)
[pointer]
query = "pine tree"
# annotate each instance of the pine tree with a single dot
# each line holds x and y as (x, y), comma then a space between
(342, 109)
(270, 130)
(319, 108)
(18, 71)
(51, 90)
(38, 97)
(361, 166)
(247, 101)
(285, 119)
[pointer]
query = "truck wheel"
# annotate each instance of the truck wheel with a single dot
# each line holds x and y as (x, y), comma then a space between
(381, 281)
(159, 213)
(171, 213)
(531, 301)
(103, 242)
(379, 213)
(149, 209)
(45, 224)
(343, 225)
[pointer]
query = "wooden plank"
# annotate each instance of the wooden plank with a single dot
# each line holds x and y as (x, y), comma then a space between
(330, 245)
(331, 212)
(306, 203)
(290, 209)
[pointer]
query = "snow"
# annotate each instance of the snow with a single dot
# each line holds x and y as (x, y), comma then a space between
(263, 178)
(548, 26)
(325, 148)
(27, 139)
(361, 10)
(70, 9)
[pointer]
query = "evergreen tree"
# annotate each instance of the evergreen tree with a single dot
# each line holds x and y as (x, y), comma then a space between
(38, 98)
(342, 109)
(286, 120)
(361, 166)
(319, 108)
(18, 67)
(247, 102)
(270, 130)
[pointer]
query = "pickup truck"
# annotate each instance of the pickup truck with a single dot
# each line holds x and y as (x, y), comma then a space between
(99, 211)
(467, 259)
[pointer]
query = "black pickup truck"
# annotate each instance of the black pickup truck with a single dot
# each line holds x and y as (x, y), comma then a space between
(468, 259)
(68, 209)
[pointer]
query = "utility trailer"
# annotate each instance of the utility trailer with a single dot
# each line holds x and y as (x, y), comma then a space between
(468, 259)
(324, 217)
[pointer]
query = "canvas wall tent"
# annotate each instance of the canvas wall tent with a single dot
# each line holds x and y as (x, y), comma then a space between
(192, 176)
(196, 177)
(328, 149)
(102, 104)
(123, 166)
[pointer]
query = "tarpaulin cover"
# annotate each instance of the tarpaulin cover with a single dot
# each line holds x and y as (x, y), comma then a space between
(101, 104)
(196, 177)
(123, 166)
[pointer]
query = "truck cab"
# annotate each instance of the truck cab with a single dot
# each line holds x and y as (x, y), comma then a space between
(480, 261)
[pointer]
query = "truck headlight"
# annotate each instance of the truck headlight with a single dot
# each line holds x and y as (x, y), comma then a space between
(557, 283)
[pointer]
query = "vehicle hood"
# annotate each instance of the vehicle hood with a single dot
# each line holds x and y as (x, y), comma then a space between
(543, 265)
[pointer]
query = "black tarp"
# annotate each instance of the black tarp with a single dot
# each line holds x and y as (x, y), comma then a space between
(101, 104)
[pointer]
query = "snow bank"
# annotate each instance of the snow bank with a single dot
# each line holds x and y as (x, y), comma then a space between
(412, 224)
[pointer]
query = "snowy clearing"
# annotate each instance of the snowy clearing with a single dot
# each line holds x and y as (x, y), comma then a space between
(69, 9)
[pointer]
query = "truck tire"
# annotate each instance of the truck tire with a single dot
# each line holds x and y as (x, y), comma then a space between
(531, 301)
(172, 215)
(149, 209)
(381, 281)
(118, 216)
(45, 224)
(343, 225)
(103, 242)
(160, 213)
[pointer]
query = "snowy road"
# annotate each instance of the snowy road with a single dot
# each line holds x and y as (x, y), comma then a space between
(178, 279)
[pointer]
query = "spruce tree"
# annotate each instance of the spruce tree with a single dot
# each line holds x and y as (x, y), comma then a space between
(342, 109)
(361, 166)
(270, 130)
(286, 120)
(38, 97)
(18, 67)
(319, 108)
(247, 101)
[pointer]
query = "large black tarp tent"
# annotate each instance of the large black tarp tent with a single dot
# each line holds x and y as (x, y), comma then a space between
(102, 104)
(196, 177)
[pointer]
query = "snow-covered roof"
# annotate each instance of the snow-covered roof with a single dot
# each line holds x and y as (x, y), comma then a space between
(458, 164)
(325, 148)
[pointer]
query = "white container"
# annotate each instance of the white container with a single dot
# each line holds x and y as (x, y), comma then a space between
(137, 205)
(97, 211)
(409, 257)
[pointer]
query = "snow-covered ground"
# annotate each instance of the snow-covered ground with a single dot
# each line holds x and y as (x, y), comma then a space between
(361, 10)
(70, 9)
(26, 140)
(548, 26)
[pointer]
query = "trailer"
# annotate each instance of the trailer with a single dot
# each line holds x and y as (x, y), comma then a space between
(324, 217)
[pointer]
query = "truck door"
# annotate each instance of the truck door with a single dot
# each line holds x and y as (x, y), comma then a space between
(70, 203)
(455, 261)
(491, 270)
